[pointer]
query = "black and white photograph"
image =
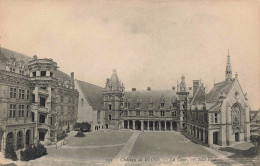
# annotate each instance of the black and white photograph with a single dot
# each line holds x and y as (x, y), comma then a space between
(129, 83)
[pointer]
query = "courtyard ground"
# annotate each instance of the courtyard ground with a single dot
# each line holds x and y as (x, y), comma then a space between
(123, 147)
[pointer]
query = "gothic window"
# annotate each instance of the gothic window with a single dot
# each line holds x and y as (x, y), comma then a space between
(109, 107)
(236, 117)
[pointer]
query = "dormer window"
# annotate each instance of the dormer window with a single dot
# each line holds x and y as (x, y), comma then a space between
(162, 105)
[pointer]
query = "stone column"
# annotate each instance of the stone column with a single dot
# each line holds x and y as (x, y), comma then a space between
(15, 140)
(195, 132)
(160, 128)
(142, 125)
(153, 125)
(178, 126)
(165, 126)
(133, 124)
(210, 138)
(24, 137)
(247, 125)
(148, 125)
(204, 136)
(3, 142)
(128, 124)
(199, 134)
(171, 126)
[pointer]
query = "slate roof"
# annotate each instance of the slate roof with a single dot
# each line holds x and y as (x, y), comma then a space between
(213, 95)
(6, 54)
(199, 97)
(92, 93)
(145, 96)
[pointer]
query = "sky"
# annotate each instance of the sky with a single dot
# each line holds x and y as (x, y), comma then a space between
(149, 43)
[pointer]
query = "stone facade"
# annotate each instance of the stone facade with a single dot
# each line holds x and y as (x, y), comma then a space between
(222, 116)
(37, 101)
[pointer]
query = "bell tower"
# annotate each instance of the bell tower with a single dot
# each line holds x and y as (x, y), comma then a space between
(228, 68)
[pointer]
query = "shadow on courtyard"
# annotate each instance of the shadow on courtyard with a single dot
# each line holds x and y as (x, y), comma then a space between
(248, 156)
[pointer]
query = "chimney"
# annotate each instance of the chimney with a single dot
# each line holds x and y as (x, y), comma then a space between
(72, 76)
(149, 89)
(196, 84)
(133, 89)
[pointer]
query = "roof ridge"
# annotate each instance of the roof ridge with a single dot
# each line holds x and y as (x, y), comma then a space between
(90, 83)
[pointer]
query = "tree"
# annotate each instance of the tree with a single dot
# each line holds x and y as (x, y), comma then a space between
(10, 153)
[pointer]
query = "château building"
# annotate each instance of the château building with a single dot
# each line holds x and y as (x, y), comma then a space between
(218, 117)
(38, 102)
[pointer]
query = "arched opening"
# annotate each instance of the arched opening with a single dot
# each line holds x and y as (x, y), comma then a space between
(162, 125)
(156, 125)
(10, 139)
(1, 136)
(137, 125)
(174, 125)
(168, 126)
(151, 125)
(215, 137)
(27, 139)
(130, 124)
(20, 140)
(125, 124)
(145, 125)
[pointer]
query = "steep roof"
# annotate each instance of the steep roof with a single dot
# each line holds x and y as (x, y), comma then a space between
(155, 95)
(225, 86)
(115, 81)
(199, 97)
(7, 54)
(92, 93)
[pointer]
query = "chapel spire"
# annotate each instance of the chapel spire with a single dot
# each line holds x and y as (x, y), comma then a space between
(228, 68)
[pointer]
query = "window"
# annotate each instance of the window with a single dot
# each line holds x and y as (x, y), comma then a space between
(125, 113)
(27, 95)
(150, 113)
(42, 102)
(162, 113)
(51, 122)
(43, 73)
(12, 70)
(20, 111)
(32, 114)
(216, 118)
(12, 110)
(109, 107)
(20, 93)
(22, 115)
(51, 74)
(162, 105)
(138, 105)
(23, 93)
(138, 113)
(12, 92)
(27, 111)
(61, 99)
(42, 118)
(110, 117)
(34, 74)
(174, 113)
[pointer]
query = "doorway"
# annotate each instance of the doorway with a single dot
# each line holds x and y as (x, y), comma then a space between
(237, 137)
(215, 138)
